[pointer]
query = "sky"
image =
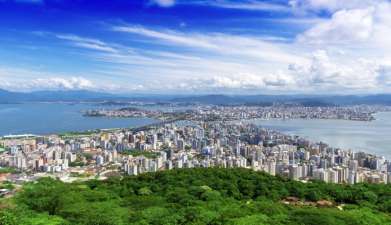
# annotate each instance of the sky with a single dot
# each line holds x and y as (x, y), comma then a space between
(197, 46)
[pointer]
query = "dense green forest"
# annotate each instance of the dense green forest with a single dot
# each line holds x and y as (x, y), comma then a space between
(197, 196)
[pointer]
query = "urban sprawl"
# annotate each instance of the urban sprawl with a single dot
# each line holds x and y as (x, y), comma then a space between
(228, 113)
(199, 142)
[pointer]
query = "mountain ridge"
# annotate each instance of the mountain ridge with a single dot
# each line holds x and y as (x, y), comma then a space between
(214, 99)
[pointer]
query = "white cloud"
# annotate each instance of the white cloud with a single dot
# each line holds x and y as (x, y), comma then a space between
(168, 36)
(363, 25)
(224, 44)
(349, 52)
(88, 43)
(17, 79)
(252, 5)
(163, 3)
(341, 74)
(58, 83)
(52, 83)
(358, 48)
(223, 62)
(238, 83)
(345, 26)
(332, 5)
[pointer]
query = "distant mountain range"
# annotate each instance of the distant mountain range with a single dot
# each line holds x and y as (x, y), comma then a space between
(52, 96)
(307, 100)
(82, 95)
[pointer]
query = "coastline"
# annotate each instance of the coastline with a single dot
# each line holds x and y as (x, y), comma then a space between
(359, 136)
(250, 121)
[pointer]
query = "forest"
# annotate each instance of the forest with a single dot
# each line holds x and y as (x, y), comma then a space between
(197, 196)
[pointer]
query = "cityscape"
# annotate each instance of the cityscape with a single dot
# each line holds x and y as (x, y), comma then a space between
(195, 112)
(209, 136)
(231, 113)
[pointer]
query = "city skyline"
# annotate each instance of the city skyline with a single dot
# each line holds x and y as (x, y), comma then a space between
(117, 112)
(196, 46)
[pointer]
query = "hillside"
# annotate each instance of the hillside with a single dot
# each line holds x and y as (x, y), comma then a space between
(53, 96)
(306, 100)
(260, 100)
(198, 196)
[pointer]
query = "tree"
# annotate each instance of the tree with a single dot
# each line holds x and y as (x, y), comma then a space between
(144, 191)
(195, 196)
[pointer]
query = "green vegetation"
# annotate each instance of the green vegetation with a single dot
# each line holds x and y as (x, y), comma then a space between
(80, 160)
(79, 175)
(6, 185)
(136, 152)
(78, 133)
(88, 156)
(197, 196)
(77, 163)
(2, 148)
(73, 134)
(7, 170)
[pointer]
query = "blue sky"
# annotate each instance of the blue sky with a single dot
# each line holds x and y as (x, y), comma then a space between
(196, 46)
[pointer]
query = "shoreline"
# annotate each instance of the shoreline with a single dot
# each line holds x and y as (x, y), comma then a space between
(250, 121)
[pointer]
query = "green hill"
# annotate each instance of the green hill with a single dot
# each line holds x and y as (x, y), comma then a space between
(198, 196)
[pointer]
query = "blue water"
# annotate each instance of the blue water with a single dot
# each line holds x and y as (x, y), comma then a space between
(50, 118)
(45, 118)
(373, 137)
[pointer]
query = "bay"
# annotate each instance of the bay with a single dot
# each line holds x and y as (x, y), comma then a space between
(51, 118)
(372, 137)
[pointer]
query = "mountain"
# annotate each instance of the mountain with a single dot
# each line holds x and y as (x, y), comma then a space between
(9, 97)
(75, 96)
(84, 95)
(207, 99)
(69, 96)
(53, 96)
(306, 100)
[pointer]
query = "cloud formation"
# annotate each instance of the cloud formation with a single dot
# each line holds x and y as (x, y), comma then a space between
(345, 26)
(221, 43)
(251, 5)
(344, 50)
(15, 79)
(53, 83)
(88, 43)
(332, 5)
(163, 3)
(58, 83)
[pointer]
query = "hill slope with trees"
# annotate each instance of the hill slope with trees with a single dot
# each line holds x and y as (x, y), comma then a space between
(198, 196)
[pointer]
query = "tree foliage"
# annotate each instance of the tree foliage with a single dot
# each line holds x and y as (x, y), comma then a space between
(198, 196)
